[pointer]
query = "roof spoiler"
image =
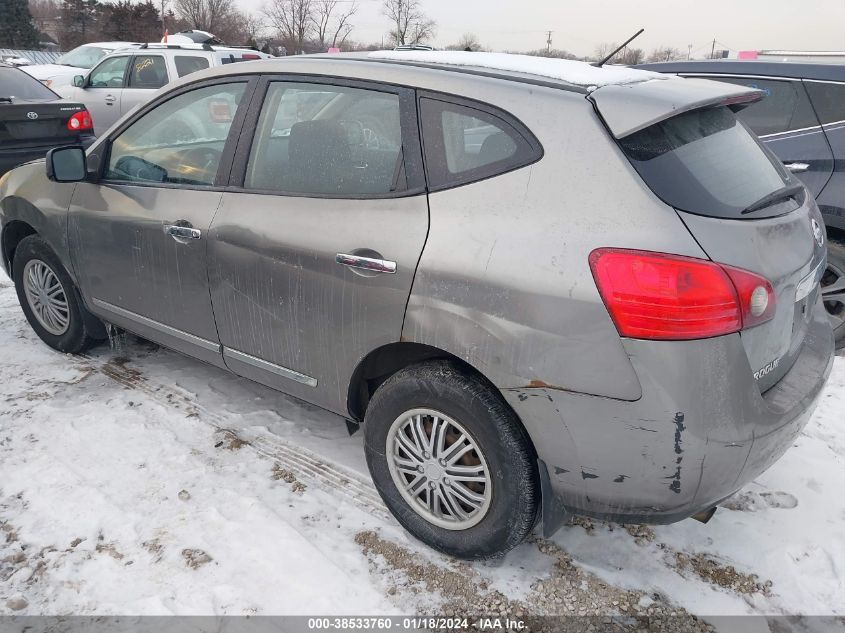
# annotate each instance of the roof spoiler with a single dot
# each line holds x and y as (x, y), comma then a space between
(629, 108)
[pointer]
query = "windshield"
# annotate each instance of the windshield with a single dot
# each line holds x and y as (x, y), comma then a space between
(82, 56)
(705, 162)
(16, 84)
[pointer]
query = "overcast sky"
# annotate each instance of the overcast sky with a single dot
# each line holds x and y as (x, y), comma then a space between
(578, 25)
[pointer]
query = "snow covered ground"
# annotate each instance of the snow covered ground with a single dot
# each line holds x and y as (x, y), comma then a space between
(139, 481)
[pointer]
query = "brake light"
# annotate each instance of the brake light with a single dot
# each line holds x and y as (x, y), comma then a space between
(80, 121)
(671, 297)
(250, 56)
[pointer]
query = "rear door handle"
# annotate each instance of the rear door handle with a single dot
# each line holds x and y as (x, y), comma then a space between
(110, 99)
(366, 263)
(182, 232)
(797, 168)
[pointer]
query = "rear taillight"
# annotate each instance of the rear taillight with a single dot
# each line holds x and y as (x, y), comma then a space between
(80, 122)
(670, 297)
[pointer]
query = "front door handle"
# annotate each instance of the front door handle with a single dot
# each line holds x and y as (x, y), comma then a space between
(797, 168)
(366, 263)
(180, 233)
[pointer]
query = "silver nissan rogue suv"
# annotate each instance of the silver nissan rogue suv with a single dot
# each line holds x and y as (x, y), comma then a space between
(543, 287)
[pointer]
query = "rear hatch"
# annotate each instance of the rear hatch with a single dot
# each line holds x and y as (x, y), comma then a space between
(32, 115)
(739, 203)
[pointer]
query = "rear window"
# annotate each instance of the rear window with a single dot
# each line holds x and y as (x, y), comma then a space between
(705, 162)
(17, 84)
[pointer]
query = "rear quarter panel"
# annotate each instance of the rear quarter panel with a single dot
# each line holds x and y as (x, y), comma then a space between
(504, 281)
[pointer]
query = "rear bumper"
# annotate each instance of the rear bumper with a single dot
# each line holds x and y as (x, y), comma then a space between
(14, 156)
(699, 433)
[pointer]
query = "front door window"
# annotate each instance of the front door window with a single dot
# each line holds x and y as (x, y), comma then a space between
(179, 142)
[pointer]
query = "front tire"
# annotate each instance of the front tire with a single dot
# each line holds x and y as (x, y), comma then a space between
(833, 289)
(452, 461)
(49, 298)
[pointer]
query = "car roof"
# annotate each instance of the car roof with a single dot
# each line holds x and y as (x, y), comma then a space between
(790, 70)
(567, 75)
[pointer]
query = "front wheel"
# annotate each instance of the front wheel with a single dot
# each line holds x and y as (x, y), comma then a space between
(452, 461)
(833, 289)
(49, 298)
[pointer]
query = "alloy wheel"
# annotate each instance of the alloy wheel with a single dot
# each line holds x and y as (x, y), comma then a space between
(46, 297)
(439, 469)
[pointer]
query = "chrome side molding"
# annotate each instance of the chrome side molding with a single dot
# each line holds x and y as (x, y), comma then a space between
(258, 363)
(160, 327)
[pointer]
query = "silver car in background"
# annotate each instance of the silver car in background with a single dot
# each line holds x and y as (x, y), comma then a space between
(544, 288)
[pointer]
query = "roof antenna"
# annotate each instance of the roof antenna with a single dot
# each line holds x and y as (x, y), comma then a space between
(628, 41)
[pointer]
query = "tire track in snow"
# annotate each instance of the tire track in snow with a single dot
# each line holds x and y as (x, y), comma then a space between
(303, 463)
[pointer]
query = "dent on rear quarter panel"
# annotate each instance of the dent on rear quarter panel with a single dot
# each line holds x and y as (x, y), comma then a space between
(28, 196)
(504, 281)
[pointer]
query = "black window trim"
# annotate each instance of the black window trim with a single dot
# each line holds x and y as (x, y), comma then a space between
(100, 157)
(132, 64)
(537, 150)
(102, 61)
(410, 152)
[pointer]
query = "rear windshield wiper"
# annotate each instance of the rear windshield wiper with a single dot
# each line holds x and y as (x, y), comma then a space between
(789, 191)
(6, 99)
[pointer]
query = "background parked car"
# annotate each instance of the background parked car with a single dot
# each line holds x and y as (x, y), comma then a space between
(33, 119)
(130, 77)
(802, 120)
(79, 60)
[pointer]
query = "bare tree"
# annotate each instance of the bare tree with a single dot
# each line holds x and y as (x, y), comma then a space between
(331, 26)
(468, 42)
(626, 56)
(665, 54)
(410, 25)
(294, 19)
(205, 15)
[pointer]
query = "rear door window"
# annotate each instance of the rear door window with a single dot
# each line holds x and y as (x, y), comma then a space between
(148, 72)
(463, 144)
(784, 108)
(706, 162)
(828, 99)
(187, 64)
(321, 139)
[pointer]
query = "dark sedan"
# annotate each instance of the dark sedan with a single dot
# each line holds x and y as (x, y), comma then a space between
(34, 119)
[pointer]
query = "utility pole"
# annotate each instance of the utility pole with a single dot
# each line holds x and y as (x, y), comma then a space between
(713, 49)
(549, 41)
(689, 51)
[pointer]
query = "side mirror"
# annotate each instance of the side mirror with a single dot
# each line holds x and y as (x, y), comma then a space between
(78, 81)
(66, 164)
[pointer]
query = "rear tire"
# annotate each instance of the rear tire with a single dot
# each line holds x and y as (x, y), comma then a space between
(833, 289)
(39, 279)
(477, 505)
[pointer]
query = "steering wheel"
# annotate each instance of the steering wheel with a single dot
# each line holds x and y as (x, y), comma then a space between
(203, 158)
